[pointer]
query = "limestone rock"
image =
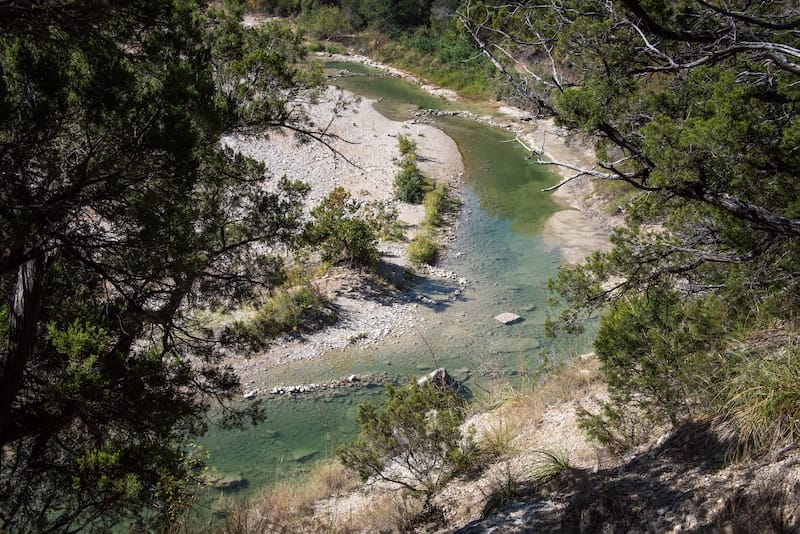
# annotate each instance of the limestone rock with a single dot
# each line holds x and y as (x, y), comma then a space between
(230, 483)
(439, 376)
(508, 318)
(303, 454)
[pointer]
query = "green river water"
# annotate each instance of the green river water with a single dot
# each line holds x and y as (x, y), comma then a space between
(498, 248)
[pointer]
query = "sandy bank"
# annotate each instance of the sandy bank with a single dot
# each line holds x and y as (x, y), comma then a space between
(582, 227)
(360, 155)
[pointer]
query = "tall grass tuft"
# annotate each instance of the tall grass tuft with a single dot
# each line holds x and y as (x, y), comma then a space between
(436, 202)
(498, 441)
(761, 402)
(553, 463)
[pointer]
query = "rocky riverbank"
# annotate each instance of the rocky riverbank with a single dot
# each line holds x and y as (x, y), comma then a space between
(548, 475)
(360, 154)
(584, 226)
(367, 380)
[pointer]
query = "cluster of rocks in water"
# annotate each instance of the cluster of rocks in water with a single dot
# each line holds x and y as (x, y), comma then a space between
(438, 376)
(444, 113)
(422, 115)
(455, 291)
(365, 380)
(343, 73)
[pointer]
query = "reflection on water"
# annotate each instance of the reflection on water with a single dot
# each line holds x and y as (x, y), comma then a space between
(499, 251)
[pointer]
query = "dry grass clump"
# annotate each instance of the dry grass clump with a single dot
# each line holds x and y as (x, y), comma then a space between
(498, 438)
(512, 407)
(528, 399)
(331, 478)
(390, 512)
(762, 402)
(288, 506)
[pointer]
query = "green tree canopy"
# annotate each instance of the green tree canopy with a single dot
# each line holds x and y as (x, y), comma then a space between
(120, 210)
(385, 15)
(694, 107)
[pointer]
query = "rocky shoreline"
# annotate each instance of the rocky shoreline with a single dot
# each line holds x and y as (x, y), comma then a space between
(361, 157)
(354, 380)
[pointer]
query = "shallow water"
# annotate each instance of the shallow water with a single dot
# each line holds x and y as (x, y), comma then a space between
(498, 249)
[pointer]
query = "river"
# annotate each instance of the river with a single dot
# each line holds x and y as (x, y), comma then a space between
(498, 248)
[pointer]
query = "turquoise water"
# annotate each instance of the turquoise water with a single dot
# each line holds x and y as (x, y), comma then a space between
(297, 432)
(397, 98)
(498, 249)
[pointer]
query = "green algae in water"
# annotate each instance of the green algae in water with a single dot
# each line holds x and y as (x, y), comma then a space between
(507, 185)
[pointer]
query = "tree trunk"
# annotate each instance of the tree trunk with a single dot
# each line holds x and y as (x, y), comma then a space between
(24, 316)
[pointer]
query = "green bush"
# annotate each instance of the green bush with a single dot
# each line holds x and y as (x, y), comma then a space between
(436, 203)
(339, 231)
(657, 352)
(618, 428)
(413, 440)
(423, 249)
(287, 312)
(667, 358)
(406, 145)
(324, 22)
(409, 183)
(383, 218)
(293, 311)
(244, 336)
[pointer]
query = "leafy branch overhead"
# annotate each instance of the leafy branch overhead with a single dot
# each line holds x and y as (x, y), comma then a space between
(120, 211)
(693, 106)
